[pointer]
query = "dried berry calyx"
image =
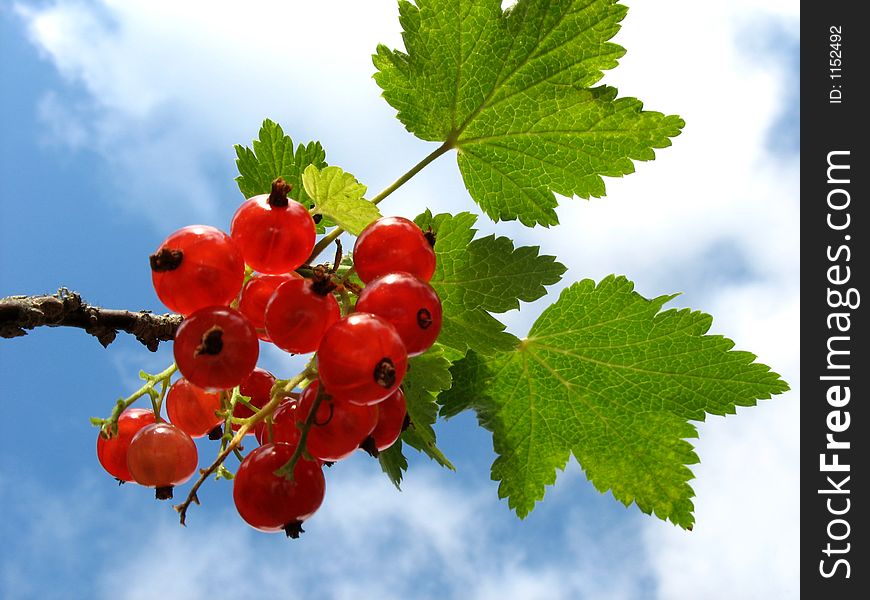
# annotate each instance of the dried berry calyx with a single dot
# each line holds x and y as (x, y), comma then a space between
(278, 195)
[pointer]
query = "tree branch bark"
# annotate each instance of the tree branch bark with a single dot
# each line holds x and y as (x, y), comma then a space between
(67, 309)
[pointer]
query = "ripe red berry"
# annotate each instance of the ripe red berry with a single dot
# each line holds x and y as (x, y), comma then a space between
(361, 359)
(284, 426)
(392, 413)
(112, 453)
(161, 456)
(195, 267)
(216, 348)
(274, 233)
(338, 427)
(411, 305)
(270, 502)
(393, 244)
(258, 387)
(193, 410)
(256, 295)
(298, 314)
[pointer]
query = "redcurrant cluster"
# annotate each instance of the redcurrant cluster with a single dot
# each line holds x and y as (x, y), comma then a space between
(257, 284)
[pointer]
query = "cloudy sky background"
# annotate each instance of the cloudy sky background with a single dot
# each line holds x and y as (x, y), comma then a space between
(117, 121)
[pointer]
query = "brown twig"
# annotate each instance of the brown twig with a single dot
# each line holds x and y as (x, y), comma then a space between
(67, 309)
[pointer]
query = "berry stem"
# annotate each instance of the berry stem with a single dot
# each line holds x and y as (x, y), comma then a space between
(344, 301)
(236, 440)
(158, 398)
(330, 237)
(286, 471)
(109, 426)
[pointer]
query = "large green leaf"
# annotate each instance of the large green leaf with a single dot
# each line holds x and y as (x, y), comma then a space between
(511, 91)
(474, 277)
(608, 376)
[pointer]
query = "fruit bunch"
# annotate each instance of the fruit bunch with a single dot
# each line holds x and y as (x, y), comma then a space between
(257, 285)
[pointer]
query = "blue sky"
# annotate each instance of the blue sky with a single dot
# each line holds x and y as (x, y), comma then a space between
(117, 121)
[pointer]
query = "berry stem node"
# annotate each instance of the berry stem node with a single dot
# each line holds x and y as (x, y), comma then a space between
(278, 195)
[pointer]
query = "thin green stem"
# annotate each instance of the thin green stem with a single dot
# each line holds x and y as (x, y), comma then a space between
(287, 469)
(330, 237)
(344, 301)
(346, 274)
(164, 387)
(109, 426)
(324, 243)
(236, 440)
(446, 146)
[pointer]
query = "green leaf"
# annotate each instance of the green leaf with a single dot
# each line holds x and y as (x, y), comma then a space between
(474, 277)
(394, 463)
(273, 156)
(471, 375)
(512, 92)
(608, 376)
(428, 375)
(339, 195)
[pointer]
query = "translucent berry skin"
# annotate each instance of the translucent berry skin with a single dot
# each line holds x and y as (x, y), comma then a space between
(284, 425)
(361, 359)
(393, 244)
(391, 420)
(269, 502)
(297, 316)
(258, 387)
(112, 453)
(256, 295)
(216, 348)
(192, 409)
(339, 427)
(411, 305)
(161, 455)
(273, 239)
(210, 271)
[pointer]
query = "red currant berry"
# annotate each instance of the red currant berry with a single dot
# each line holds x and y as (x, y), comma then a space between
(112, 453)
(270, 502)
(258, 387)
(392, 414)
(274, 233)
(411, 305)
(393, 244)
(161, 456)
(193, 410)
(284, 428)
(298, 314)
(256, 295)
(197, 266)
(216, 348)
(361, 359)
(338, 427)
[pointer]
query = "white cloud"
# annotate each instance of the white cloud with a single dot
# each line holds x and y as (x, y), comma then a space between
(746, 541)
(169, 87)
(717, 187)
(432, 540)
